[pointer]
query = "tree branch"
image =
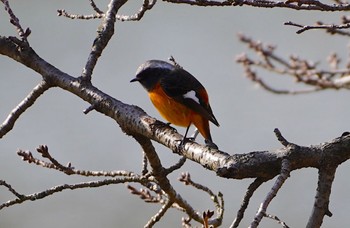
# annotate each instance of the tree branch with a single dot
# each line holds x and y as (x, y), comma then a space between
(67, 169)
(326, 176)
(300, 4)
(159, 215)
(28, 101)
(248, 195)
(330, 28)
(147, 5)
(301, 70)
(59, 188)
(15, 21)
(160, 175)
(105, 33)
(285, 171)
(134, 120)
(262, 165)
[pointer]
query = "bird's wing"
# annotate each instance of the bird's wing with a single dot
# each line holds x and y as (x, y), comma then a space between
(187, 90)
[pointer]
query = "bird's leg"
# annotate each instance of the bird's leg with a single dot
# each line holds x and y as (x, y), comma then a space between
(194, 135)
(185, 139)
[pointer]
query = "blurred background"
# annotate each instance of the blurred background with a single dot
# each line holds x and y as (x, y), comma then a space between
(204, 41)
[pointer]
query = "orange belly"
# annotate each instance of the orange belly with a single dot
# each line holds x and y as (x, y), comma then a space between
(170, 110)
(176, 113)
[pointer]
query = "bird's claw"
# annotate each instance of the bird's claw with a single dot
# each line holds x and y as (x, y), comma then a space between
(211, 144)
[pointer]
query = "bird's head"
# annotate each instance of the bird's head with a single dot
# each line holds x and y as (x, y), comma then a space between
(150, 72)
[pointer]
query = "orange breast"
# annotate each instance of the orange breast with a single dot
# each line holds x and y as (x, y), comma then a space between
(176, 113)
(170, 110)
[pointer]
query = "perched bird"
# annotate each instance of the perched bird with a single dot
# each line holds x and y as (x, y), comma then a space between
(178, 96)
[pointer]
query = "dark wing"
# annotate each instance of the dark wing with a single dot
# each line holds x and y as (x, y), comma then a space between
(187, 90)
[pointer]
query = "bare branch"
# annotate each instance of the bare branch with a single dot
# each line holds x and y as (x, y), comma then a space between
(186, 179)
(94, 6)
(28, 101)
(159, 215)
(332, 29)
(160, 175)
(144, 164)
(64, 13)
(326, 176)
(134, 121)
(68, 169)
(147, 5)
(105, 33)
(59, 188)
(12, 190)
(294, 4)
(99, 13)
(301, 70)
(248, 195)
(178, 165)
(285, 171)
(15, 21)
(280, 138)
(274, 217)
(146, 196)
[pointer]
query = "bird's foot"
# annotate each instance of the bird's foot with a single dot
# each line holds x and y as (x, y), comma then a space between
(211, 144)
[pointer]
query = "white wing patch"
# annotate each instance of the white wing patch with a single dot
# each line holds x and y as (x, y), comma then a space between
(192, 95)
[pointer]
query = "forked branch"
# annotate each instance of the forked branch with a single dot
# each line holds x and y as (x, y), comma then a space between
(301, 70)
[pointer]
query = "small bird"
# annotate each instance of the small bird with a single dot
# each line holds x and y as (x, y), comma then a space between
(178, 96)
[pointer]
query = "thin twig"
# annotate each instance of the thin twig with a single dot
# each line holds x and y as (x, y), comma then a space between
(331, 28)
(248, 195)
(12, 190)
(144, 164)
(159, 214)
(147, 5)
(178, 165)
(217, 199)
(274, 217)
(280, 138)
(15, 21)
(64, 13)
(301, 70)
(59, 188)
(68, 169)
(28, 101)
(285, 171)
(94, 6)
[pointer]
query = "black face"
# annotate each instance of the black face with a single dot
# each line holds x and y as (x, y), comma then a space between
(149, 77)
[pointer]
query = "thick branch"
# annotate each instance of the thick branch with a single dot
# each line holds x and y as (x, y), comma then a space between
(326, 176)
(134, 120)
(105, 33)
(160, 174)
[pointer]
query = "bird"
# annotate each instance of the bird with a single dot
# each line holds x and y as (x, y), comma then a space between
(178, 96)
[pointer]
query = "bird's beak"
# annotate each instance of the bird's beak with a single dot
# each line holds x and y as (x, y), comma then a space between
(135, 80)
